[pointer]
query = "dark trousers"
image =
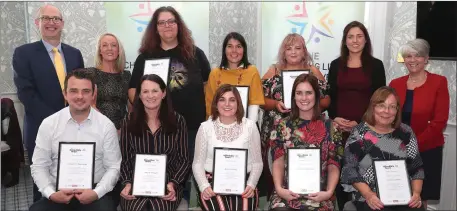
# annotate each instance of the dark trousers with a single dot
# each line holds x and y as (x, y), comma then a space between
(36, 194)
(191, 134)
(362, 206)
(103, 204)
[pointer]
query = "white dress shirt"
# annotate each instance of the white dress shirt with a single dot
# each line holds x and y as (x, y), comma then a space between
(213, 134)
(61, 127)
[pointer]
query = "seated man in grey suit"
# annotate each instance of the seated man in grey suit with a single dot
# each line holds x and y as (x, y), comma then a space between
(78, 122)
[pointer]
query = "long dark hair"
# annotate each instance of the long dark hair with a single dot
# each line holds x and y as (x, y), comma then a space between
(151, 39)
(236, 36)
(311, 79)
(367, 58)
(137, 122)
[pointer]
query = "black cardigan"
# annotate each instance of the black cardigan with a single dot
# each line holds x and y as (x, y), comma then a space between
(378, 79)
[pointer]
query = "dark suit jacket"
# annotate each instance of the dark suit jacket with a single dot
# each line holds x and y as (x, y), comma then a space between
(378, 79)
(38, 86)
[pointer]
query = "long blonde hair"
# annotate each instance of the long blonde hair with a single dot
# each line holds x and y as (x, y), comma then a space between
(120, 61)
(289, 40)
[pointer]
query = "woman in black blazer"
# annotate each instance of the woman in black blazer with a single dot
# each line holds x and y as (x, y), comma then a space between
(352, 79)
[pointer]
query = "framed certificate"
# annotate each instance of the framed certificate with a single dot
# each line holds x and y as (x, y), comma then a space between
(244, 94)
(288, 78)
(149, 175)
(160, 67)
(229, 170)
(392, 181)
(303, 162)
(75, 166)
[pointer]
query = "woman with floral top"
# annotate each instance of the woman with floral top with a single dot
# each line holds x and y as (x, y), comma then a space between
(292, 55)
(381, 136)
(304, 128)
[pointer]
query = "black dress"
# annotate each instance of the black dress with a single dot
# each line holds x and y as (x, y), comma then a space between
(112, 94)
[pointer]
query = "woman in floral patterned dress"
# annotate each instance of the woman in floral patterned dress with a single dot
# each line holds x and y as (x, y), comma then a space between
(305, 127)
(292, 55)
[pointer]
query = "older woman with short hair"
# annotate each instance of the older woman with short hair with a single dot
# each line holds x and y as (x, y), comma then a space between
(424, 99)
(380, 136)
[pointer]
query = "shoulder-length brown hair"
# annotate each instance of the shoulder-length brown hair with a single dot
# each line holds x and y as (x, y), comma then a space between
(151, 39)
(221, 91)
(378, 97)
(311, 79)
(287, 41)
(367, 58)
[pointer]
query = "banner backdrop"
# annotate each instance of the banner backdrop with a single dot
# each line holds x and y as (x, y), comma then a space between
(128, 21)
(320, 23)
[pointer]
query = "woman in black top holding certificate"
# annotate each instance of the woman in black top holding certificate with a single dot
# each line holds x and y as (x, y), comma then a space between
(154, 128)
(227, 128)
(382, 137)
(167, 36)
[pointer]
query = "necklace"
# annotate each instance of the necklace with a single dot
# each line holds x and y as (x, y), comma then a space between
(239, 70)
(417, 80)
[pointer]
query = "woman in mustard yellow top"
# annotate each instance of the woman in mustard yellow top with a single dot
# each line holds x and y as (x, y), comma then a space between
(235, 69)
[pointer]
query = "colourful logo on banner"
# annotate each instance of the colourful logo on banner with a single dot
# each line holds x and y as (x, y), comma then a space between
(143, 17)
(301, 20)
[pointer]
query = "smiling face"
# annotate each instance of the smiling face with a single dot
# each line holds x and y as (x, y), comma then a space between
(151, 95)
(295, 53)
(305, 97)
(355, 40)
(50, 23)
(415, 63)
(167, 26)
(384, 113)
(79, 94)
(109, 48)
(234, 51)
(227, 105)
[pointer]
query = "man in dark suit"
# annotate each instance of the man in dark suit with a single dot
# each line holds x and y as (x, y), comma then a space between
(39, 73)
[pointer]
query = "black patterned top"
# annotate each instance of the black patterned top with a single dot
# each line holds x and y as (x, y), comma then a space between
(112, 94)
(365, 145)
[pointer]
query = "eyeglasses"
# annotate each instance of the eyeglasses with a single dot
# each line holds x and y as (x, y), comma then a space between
(385, 107)
(170, 22)
(54, 19)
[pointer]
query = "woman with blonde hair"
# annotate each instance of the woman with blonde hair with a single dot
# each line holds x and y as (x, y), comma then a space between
(292, 55)
(111, 97)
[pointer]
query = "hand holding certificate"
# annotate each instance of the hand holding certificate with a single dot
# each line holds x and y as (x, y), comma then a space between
(159, 67)
(229, 170)
(288, 78)
(149, 176)
(393, 182)
(75, 168)
(301, 162)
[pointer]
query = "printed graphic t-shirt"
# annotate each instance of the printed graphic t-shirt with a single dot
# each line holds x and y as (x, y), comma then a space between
(185, 82)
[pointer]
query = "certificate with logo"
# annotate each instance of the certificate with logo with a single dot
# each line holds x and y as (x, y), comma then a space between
(304, 170)
(149, 175)
(288, 78)
(392, 180)
(75, 166)
(229, 170)
(244, 94)
(160, 67)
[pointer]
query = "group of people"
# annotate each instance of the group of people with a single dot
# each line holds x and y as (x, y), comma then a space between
(199, 109)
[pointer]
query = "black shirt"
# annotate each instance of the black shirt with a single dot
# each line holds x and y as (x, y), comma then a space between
(186, 80)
